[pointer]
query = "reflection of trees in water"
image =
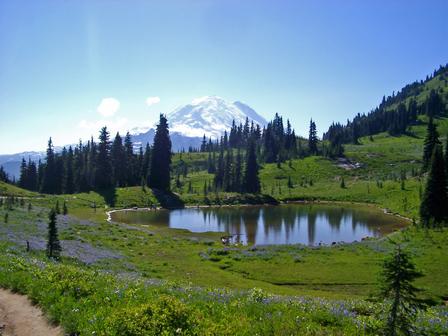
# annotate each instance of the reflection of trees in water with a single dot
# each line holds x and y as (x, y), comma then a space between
(272, 220)
(250, 222)
(312, 215)
(277, 224)
(289, 220)
(364, 219)
(227, 220)
(335, 217)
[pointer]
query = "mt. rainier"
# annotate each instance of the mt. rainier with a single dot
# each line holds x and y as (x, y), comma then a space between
(210, 115)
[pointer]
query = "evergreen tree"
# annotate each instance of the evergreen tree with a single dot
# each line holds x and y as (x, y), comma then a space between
(64, 208)
(312, 138)
(91, 164)
(251, 179)
(32, 176)
(433, 208)
(205, 189)
(204, 144)
(431, 140)
(237, 173)
(49, 174)
(146, 163)
(57, 210)
(211, 163)
(23, 180)
(53, 244)
(40, 174)
(228, 170)
(118, 160)
(139, 167)
(103, 172)
(59, 171)
(80, 158)
(219, 175)
(161, 157)
(69, 186)
(399, 272)
(130, 161)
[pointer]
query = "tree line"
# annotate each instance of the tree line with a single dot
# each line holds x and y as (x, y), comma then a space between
(235, 158)
(102, 165)
(394, 114)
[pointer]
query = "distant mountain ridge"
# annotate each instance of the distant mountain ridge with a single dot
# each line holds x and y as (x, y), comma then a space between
(209, 116)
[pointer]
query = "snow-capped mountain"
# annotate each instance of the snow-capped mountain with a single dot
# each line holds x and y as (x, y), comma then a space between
(210, 115)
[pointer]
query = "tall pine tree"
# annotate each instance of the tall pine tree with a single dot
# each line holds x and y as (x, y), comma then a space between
(312, 138)
(433, 208)
(398, 274)
(118, 159)
(161, 157)
(103, 172)
(431, 140)
(53, 244)
(49, 176)
(130, 161)
(69, 183)
(251, 178)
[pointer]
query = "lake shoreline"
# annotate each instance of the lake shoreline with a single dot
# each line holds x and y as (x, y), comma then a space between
(381, 224)
(211, 206)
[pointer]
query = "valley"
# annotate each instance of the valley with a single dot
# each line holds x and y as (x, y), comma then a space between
(173, 258)
(162, 214)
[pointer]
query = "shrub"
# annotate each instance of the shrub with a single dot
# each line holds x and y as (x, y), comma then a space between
(166, 316)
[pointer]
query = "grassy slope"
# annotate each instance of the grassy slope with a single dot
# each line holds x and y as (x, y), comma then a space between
(327, 271)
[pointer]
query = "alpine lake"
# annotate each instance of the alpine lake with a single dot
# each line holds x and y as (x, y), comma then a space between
(309, 224)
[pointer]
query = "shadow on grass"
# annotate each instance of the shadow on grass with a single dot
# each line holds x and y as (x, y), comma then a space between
(109, 196)
(168, 199)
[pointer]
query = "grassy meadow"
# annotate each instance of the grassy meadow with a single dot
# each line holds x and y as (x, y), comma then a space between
(110, 271)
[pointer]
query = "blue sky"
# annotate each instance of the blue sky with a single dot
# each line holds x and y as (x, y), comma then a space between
(327, 60)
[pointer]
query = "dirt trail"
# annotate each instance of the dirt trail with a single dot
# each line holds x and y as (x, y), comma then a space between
(18, 317)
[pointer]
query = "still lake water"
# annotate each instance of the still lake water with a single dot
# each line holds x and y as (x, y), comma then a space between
(308, 224)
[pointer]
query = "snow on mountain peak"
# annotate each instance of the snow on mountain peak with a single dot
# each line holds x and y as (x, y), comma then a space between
(206, 99)
(210, 115)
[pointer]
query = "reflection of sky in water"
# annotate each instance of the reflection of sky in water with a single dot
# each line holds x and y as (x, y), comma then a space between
(290, 224)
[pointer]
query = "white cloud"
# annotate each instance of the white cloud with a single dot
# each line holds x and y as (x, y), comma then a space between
(108, 107)
(152, 100)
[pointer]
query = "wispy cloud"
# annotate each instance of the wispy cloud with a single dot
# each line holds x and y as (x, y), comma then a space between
(152, 100)
(108, 107)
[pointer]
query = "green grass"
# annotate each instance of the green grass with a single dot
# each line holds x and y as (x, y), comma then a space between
(198, 260)
(8, 189)
(196, 274)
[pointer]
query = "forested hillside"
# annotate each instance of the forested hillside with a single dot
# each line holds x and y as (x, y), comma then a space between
(396, 112)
